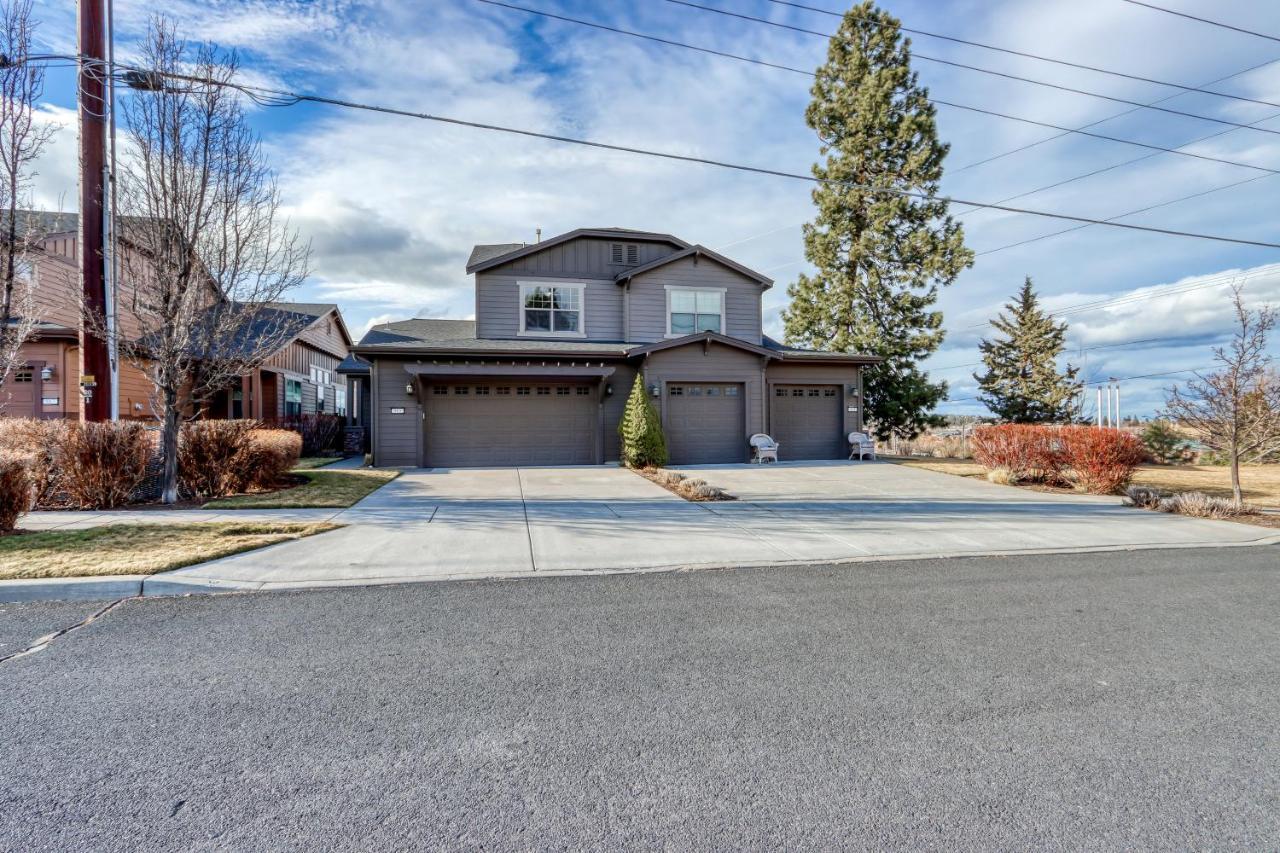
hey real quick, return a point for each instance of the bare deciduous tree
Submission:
(208, 252)
(22, 139)
(1235, 410)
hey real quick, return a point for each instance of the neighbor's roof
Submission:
(352, 365)
(695, 251)
(493, 258)
(460, 336)
(316, 311)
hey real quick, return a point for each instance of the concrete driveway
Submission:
(441, 524)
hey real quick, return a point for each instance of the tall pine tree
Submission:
(880, 257)
(1022, 383)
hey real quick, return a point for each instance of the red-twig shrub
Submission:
(212, 458)
(103, 463)
(40, 442)
(273, 452)
(1102, 461)
(1029, 453)
(321, 434)
(16, 492)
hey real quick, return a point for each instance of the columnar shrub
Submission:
(103, 464)
(1102, 461)
(16, 491)
(643, 444)
(1028, 453)
(212, 459)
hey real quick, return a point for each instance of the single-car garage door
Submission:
(705, 423)
(807, 422)
(472, 424)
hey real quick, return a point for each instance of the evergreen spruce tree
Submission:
(643, 444)
(880, 257)
(1022, 383)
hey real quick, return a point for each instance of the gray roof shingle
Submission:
(461, 335)
(486, 251)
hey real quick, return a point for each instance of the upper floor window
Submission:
(320, 376)
(551, 310)
(691, 310)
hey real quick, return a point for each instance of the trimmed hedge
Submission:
(1102, 461)
(1029, 453)
(15, 488)
(220, 458)
(102, 464)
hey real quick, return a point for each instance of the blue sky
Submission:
(393, 205)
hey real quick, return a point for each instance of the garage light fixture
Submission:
(853, 390)
(408, 389)
(608, 389)
(653, 390)
(46, 373)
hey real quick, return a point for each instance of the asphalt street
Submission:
(1085, 701)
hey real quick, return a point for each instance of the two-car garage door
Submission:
(479, 424)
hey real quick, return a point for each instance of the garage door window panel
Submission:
(551, 310)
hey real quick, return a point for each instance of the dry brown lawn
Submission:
(1261, 483)
(322, 489)
(136, 549)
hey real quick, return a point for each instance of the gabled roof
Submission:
(352, 365)
(695, 251)
(705, 338)
(520, 250)
(487, 251)
(317, 311)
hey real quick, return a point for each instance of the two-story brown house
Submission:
(562, 329)
(297, 379)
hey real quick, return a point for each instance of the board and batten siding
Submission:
(844, 375)
(585, 257)
(498, 306)
(647, 307)
(397, 437)
(614, 407)
(694, 363)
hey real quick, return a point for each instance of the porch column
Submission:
(246, 390)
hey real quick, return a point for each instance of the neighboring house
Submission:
(299, 378)
(562, 329)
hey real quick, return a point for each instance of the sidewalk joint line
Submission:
(528, 534)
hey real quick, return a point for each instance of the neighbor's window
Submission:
(551, 309)
(695, 311)
(292, 397)
(320, 400)
(340, 400)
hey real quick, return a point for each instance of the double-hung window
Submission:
(551, 309)
(692, 310)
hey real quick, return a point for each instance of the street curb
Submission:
(70, 589)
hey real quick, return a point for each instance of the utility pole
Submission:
(95, 373)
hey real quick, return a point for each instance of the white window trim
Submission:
(526, 286)
(683, 289)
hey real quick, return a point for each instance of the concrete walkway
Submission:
(439, 524)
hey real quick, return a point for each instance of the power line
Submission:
(1095, 172)
(1149, 207)
(1204, 20)
(1027, 55)
(1112, 117)
(981, 70)
(777, 66)
(276, 97)
(1066, 351)
(1104, 381)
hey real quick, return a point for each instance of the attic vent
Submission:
(627, 254)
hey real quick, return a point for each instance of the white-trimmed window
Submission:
(694, 309)
(554, 310)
